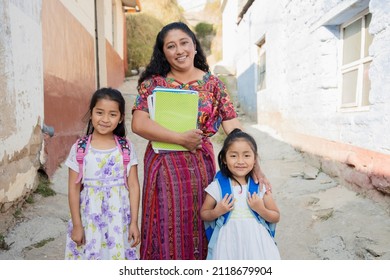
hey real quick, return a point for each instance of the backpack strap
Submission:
(270, 227)
(212, 228)
(214, 235)
(124, 149)
(226, 188)
(82, 145)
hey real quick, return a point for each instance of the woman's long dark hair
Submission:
(110, 94)
(159, 65)
(234, 135)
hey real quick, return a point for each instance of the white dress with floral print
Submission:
(104, 206)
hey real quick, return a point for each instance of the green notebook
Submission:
(175, 109)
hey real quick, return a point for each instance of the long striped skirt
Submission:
(173, 193)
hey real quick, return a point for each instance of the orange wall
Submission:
(115, 67)
(69, 79)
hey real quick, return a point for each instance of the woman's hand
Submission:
(78, 235)
(152, 131)
(259, 178)
(192, 139)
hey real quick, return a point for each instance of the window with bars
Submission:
(355, 61)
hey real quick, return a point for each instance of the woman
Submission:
(174, 182)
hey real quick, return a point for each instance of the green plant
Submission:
(17, 213)
(165, 11)
(205, 33)
(39, 244)
(42, 242)
(44, 186)
(142, 30)
(204, 29)
(3, 244)
(30, 199)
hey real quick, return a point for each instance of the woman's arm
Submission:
(134, 196)
(74, 205)
(231, 124)
(147, 128)
(258, 175)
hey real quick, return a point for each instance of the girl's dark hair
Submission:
(159, 65)
(234, 135)
(110, 94)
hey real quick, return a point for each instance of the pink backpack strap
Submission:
(82, 146)
(124, 148)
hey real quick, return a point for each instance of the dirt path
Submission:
(320, 219)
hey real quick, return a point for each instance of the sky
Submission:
(192, 5)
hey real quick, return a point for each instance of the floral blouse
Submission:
(215, 105)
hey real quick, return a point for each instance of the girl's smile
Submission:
(240, 159)
(105, 116)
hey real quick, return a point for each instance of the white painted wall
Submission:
(24, 64)
(119, 26)
(379, 120)
(302, 94)
(22, 90)
(83, 11)
(229, 32)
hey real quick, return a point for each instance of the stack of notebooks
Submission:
(175, 109)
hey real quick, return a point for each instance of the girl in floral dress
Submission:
(103, 206)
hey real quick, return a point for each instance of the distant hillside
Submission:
(165, 11)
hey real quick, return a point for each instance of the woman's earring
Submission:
(196, 52)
